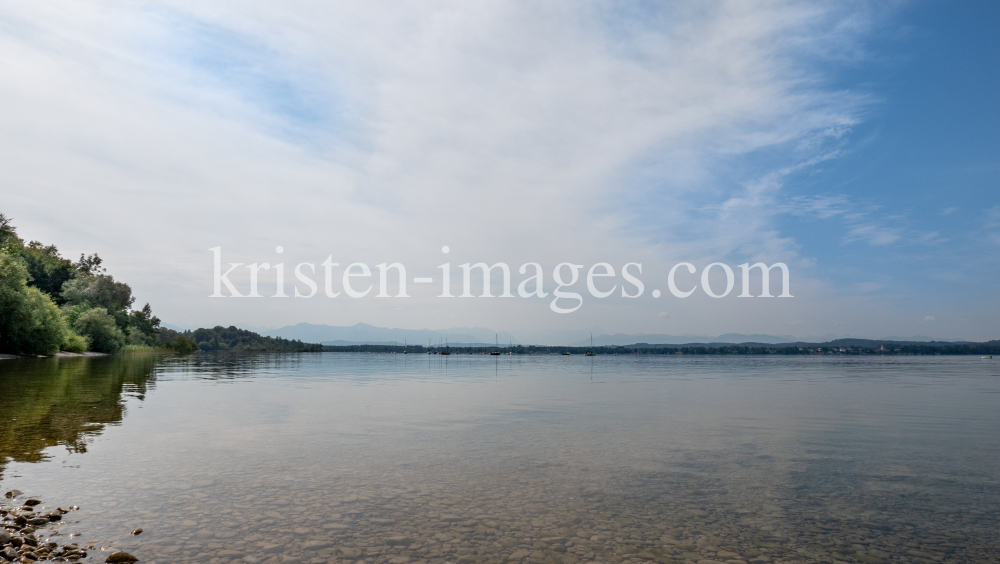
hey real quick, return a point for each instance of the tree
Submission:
(181, 344)
(7, 231)
(48, 271)
(143, 326)
(30, 323)
(35, 280)
(101, 291)
(99, 326)
(90, 265)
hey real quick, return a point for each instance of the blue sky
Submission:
(853, 141)
(924, 164)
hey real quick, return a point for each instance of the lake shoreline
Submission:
(61, 354)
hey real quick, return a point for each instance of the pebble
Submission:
(541, 517)
(18, 539)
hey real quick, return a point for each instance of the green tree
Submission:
(7, 231)
(34, 279)
(47, 269)
(90, 265)
(181, 344)
(101, 290)
(143, 326)
(99, 327)
(30, 323)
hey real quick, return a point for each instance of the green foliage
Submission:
(7, 231)
(41, 328)
(90, 266)
(233, 339)
(34, 279)
(180, 343)
(100, 327)
(47, 269)
(30, 323)
(101, 290)
(75, 343)
(143, 327)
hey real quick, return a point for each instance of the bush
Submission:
(75, 343)
(42, 329)
(30, 322)
(100, 328)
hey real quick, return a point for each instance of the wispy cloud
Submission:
(244, 68)
(511, 130)
(877, 235)
(862, 220)
(821, 207)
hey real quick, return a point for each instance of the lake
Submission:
(392, 459)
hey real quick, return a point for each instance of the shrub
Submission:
(100, 328)
(75, 343)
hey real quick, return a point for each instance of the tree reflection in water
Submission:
(47, 402)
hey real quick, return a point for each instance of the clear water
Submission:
(547, 459)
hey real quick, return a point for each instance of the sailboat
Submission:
(591, 351)
(446, 351)
(497, 338)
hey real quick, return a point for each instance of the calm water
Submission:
(372, 459)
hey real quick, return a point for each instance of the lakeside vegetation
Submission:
(49, 303)
(233, 339)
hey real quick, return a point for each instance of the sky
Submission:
(853, 142)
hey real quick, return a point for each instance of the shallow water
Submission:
(470, 459)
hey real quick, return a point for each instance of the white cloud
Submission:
(874, 234)
(379, 131)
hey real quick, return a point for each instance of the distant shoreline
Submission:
(833, 348)
(856, 347)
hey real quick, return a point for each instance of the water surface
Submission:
(372, 459)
